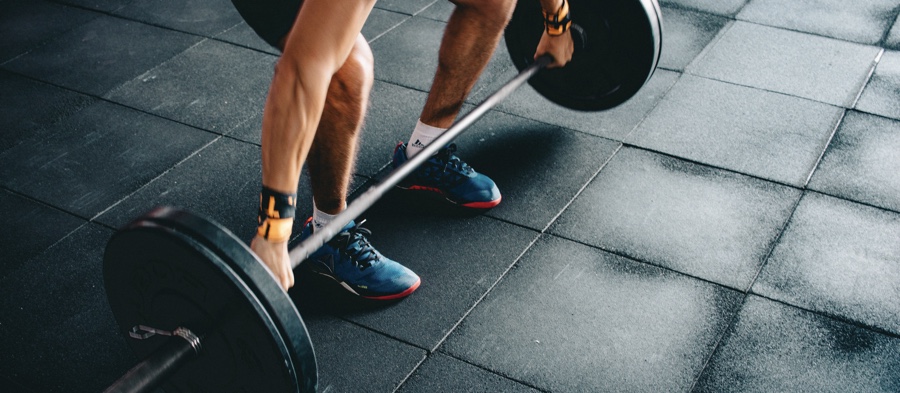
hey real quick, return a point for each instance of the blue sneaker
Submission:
(447, 175)
(350, 260)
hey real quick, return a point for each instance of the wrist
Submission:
(275, 218)
(558, 21)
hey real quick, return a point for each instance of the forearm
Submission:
(317, 46)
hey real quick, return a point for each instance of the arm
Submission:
(315, 48)
(560, 47)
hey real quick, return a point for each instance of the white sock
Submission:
(421, 137)
(320, 218)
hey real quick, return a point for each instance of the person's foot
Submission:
(447, 175)
(350, 260)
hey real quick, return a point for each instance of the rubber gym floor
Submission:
(733, 227)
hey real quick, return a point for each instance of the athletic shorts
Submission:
(270, 19)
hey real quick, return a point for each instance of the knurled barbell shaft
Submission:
(365, 200)
(150, 373)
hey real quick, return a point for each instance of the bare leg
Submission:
(315, 49)
(334, 149)
(472, 34)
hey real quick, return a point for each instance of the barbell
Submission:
(205, 314)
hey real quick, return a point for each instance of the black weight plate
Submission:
(617, 50)
(171, 268)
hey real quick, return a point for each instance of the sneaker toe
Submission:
(395, 281)
(479, 191)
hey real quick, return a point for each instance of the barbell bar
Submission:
(204, 312)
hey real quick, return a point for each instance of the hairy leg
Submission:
(315, 49)
(333, 152)
(472, 34)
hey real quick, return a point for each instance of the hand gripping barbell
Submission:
(203, 311)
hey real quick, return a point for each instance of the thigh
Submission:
(270, 19)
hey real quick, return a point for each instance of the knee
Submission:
(498, 11)
(359, 68)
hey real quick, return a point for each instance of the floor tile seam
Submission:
(120, 104)
(431, 4)
(492, 372)
(382, 34)
(810, 33)
(115, 89)
(879, 115)
(774, 243)
(55, 36)
(634, 259)
(382, 333)
(210, 36)
(831, 316)
(581, 189)
(153, 180)
(544, 122)
(725, 332)
(895, 14)
(650, 111)
(695, 62)
(411, 372)
(867, 79)
(682, 7)
(818, 162)
(781, 93)
(485, 294)
(855, 202)
(43, 203)
(85, 221)
(711, 166)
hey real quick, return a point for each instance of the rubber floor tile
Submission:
(572, 318)
(241, 34)
(443, 374)
(440, 10)
(750, 131)
(892, 41)
(213, 85)
(685, 34)
(25, 232)
(615, 123)
(458, 258)
(777, 348)
(880, 95)
(19, 120)
(861, 162)
(354, 359)
(788, 62)
(99, 5)
(97, 157)
(409, 7)
(539, 168)
(700, 221)
(221, 182)
(838, 258)
(56, 323)
(34, 22)
(380, 22)
(202, 17)
(102, 54)
(719, 7)
(408, 55)
(863, 21)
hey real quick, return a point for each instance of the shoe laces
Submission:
(354, 244)
(451, 161)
